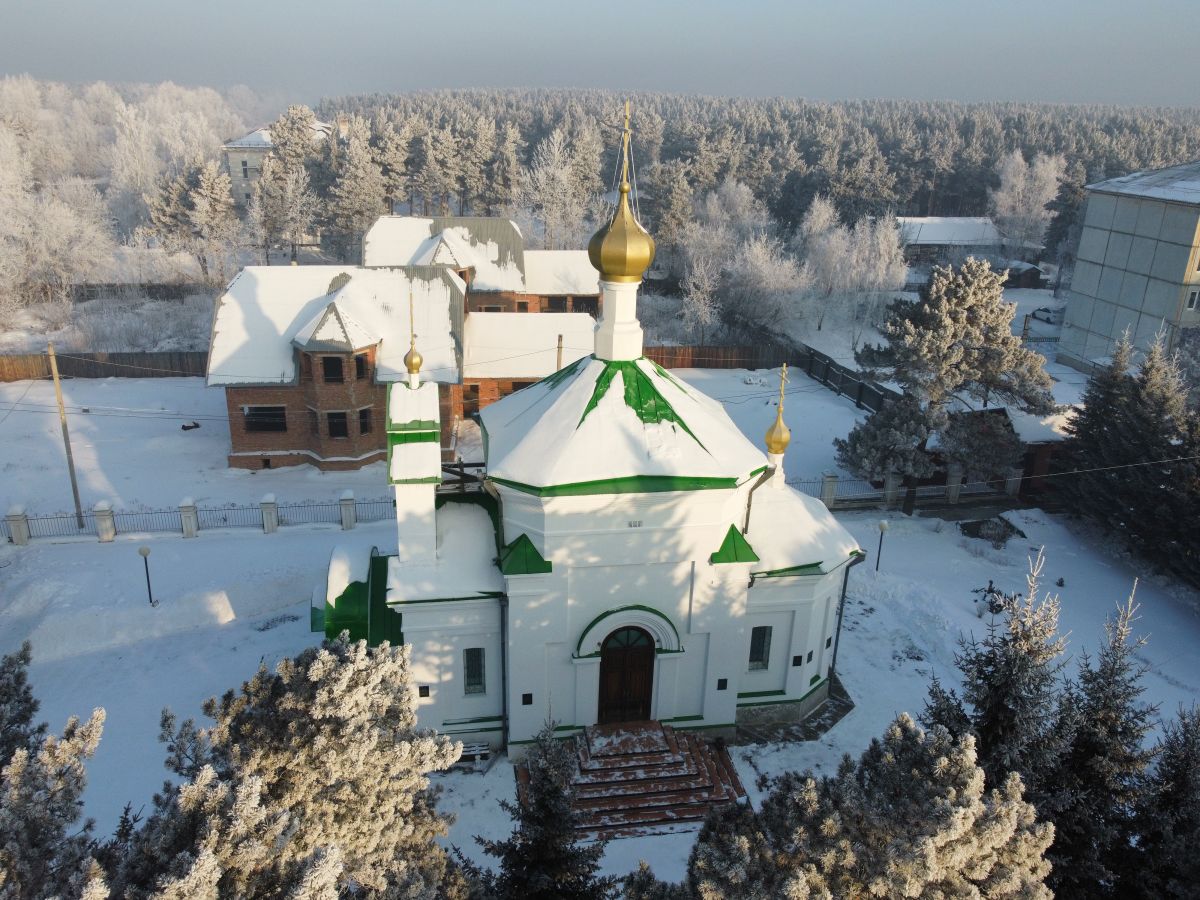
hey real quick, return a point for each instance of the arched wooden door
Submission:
(626, 676)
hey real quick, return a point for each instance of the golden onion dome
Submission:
(622, 250)
(412, 359)
(779, 435)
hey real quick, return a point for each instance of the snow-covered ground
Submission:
(129, 447)
(229, 601)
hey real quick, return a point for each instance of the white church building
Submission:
(629, 553)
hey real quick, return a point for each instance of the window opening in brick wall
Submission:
(556, 304)
(473, 681)
(265, 418)
(360, 366)
(364, 420)
(522, 306)
(333, 369)
(337, 425)
(760, 647)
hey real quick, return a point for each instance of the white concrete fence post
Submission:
(18, 524)
(954, 477)
(1012, 484)
(106, 526)
(891, 490)
(829, 482)
(270, 514)
(187, 514)
(349, 516)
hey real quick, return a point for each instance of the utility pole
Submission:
(62, 418)
(559, 365)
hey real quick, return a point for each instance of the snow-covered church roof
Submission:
(602, 426)
(266, 309)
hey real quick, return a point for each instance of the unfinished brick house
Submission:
(304, 353)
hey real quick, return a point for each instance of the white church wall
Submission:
(774, 676)
(416, 524)
(439, 633)
(538, 654)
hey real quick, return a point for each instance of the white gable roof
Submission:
(560, 272)
(524, 345)
(333, 328)
(265, 308)
(789, 529)
(260, 138)
(965, 231)
(581, 425)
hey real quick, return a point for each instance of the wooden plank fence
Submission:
(23, 366)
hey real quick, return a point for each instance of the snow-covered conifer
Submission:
(18, 706)
(504, 172)
(393, 153)
(983, 443)
(541, 859)
(1100, 772)
(356, 198)
(193, 213)
(890, 440)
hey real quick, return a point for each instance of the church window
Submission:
(333, 369)
(337, 425)
(828, 642)
(423, 691)
(473, 670)
(797, 661)
(266, 418)
(527, 699)
(722, 684)
(1192, 297)
(760, 647)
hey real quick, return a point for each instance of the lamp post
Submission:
(883, 527)
(144, 552)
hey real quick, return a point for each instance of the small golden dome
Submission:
(622, 250)
(779, 435)
(412, 359)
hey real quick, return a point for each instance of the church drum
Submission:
(626, 676)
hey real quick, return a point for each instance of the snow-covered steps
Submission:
(638, 778)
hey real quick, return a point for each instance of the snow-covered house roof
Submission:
(260, 138)
(605, 427)
(492, 247)
(266, 308)
(958, 231)
(568, 272)
(1180, 184)
(524, 345)
(333, 329)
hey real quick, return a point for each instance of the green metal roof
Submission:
(734, 549)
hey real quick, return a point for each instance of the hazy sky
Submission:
(1111, 51)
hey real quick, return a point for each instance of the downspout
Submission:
(837, 635)
(762, 479)
(504, 670)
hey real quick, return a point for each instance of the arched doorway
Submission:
(626, 676)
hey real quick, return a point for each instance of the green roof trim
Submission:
(807, 569)
(414, 425)
(522, 558)
(629, 484)
(413, 437)
(348, 612)
(641, 395)
(430, 479)
(667, 375)
(734, 549)
(554, 379)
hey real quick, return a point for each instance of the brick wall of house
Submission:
(510, 301)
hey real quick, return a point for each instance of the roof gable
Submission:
(734, 549)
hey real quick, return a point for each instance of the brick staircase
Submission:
(638, 778)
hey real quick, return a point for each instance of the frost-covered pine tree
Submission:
(321, 755)
(284, 207)
(294, 139)
(18, 706)
(542, 858)
(1164, 865)
(356, 198)
(1010, 683)
(478, 146)
(500, 194)
(890, 440)
(552, 191)
(393, 155)
(1100, 771)
(910, 818)
(193, 213)
(983, 443)
(44, 846)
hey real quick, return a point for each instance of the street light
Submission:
(883, 527)
(145, 554)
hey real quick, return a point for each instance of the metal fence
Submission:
(61, 525)
(309, 513)
(148, 520)
(229, 517)
(374, 510)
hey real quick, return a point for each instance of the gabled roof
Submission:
(524, 345)
(332, 329)
(568, 272)
(964, 231)
(1180, 184)
(265, 308)
(521, 557)
(260, 138)
(601, 427)
(734, 549)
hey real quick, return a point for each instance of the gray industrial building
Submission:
(1138, 266)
